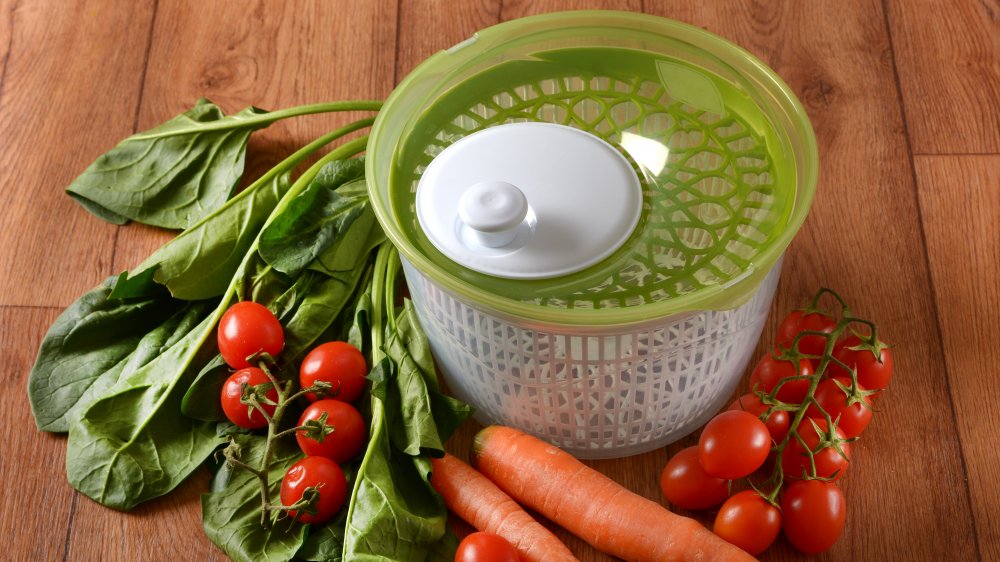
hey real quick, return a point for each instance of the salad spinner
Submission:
(591, 209)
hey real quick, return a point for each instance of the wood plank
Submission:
(948, 59)
(863, 239)
(33, 475)
(960, 202)
(70, 91)
(273, 55)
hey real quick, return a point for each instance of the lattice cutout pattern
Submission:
(709, 209)
(621, 393)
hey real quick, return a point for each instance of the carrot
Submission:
(590, 505)
(471, 496)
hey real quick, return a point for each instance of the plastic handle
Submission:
(493, 210)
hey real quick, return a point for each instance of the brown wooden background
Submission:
(905, 99)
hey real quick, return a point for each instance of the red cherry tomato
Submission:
(748, 521)
(814, 513)
(248, 328)
(733, 444)
(798, 322)
(685, 483)
(829, 463)
(851, 420)
(777, 421)
(874, 373)
(338, 363)
(485, 547)
(321, 473)
(769, 371)
(232, 391)
(349, 431)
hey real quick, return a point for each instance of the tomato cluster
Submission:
(330, 430)
(809, 399)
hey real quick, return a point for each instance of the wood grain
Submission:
(33, 483)
(960, 201)
(948, 56)
(71, 87)
(880, 81)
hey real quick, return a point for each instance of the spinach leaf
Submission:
(230, 514)
(427, 417)
(133, 443)
(201, 401)
(315, 219)
(201, 261)
(173, 174)
(96, 341)
(394, 512)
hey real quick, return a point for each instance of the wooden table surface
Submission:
(904, 96)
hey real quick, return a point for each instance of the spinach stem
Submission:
(263, 119)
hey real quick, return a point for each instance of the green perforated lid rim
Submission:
(725, 151)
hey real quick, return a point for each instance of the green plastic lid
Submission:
(724, 153)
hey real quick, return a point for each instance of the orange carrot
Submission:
(474, 498)
(590, 505)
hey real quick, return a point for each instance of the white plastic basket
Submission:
(597, 394)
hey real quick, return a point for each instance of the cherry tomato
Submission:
(777, 421)
(338, 363)
(851, 420)
(874, 373)
(232, 391)
(748, 521)
(349, 431)
(797, 322)
(829, 463)
(814, 513)
(321, 473)
(685, 483)
(248, 328)
(485, 547)
(733, 444)
(769, 371)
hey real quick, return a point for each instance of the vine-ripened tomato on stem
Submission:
(242, 414)
(812, 396)
(347, 438)
(874, 372)
(320, 473)
(748, 521)
(832, 397)
(776, 422)
(338, 363)
(485, 547)
(830, 463)
(733, 445)
(686, 484)
(770, 371)
(813, 515)
(797, 322)
(248, 328)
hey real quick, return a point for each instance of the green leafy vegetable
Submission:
(173, 174)
(94, 343)
(394, 512)
(133, 443)
(180, 171)
(315, 219)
